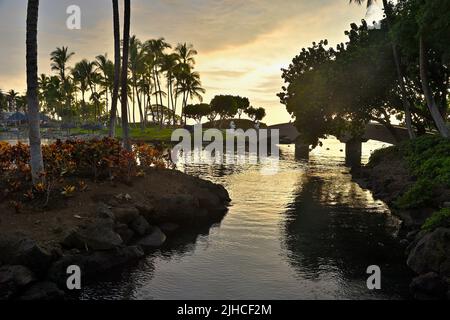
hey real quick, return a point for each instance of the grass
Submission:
(153, 133)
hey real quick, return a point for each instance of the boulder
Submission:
(429, 285)
(93, 264)
(126, 215)
(124, 232)
(17, 249)
(154, 239)
(13, 279)
(146, 210)
(169, 228)
(177, 208)
(140, 226)
(99, 235)
(104, 211)
(431, 253)
(43, 291)
(216, 189)
(188, 209)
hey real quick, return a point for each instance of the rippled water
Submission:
(306, 232)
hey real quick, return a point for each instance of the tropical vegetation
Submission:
(395, 73)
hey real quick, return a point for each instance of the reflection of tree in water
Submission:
(331, 225)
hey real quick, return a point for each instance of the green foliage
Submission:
(226, 106)
(419, 195)
(71, 160)
(429, 157)
(336, 91)
(381, 155)
(256, 114)
(439, 219)
(428, 160)
(197, 111)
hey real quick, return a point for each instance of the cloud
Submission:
(242, 44)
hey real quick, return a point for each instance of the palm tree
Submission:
(137, 67)
(3, 105)
(169, 64)
(60, 58)
(124, 95)
(105, 68)
(36, 162)
(12, 97)
(115, 95)
(84, 74)
(400, 74)
(156, 48)
(191, 88)
(186, 54)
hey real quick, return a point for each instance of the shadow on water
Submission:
(304, 232)
(332, 228)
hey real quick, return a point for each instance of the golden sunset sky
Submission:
(242, 44)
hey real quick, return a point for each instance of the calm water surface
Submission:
(305, 232)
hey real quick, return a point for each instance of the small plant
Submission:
(68, 191)
(439, 219)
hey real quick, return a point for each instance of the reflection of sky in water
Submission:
(305, 232)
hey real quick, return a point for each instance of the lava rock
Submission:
(17, 249)
(13, 279)
(169, 228)
(104, 211)
(431, 253)
(154, 239)
(43, 291)
(98, 236)
(429, 285)
(124, 232)
(140, 226)
(95, 263)
(126, 215)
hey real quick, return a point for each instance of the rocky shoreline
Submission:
(115, 225)
(427, 253)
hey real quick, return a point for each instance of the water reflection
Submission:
(304, 232)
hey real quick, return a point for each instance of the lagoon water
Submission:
(305, 232)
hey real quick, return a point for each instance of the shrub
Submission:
(420, 194)
(95, 159)
(429, 157)
(439, 219)
(428, 161)
(381, 154)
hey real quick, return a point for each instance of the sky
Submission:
(242, 44)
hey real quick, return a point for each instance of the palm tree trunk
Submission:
(134, 104)
(431, 102)
(139, 106)
(126, 45)
(400, 76)
(36, 162)
(173, 105)
(115, 98)
(160, 99)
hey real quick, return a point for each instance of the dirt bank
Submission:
(106, 226)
